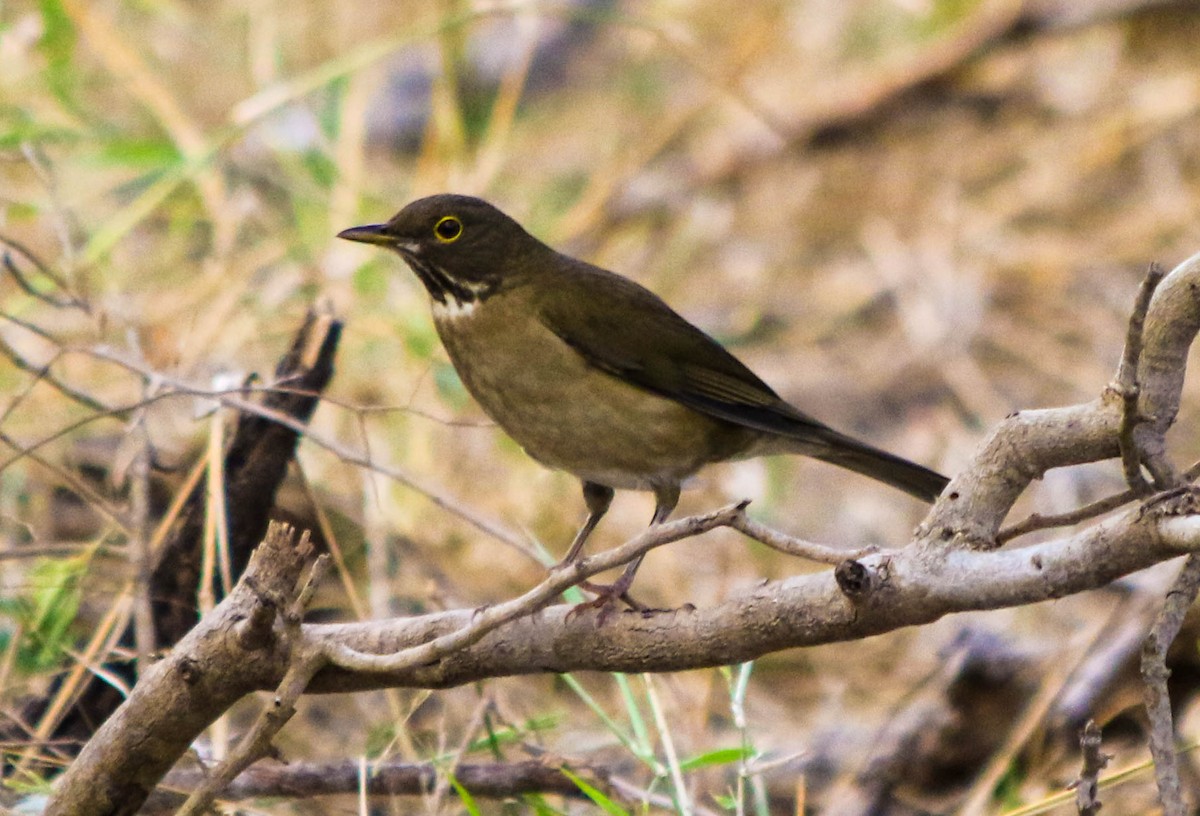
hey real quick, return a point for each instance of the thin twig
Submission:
(1155, 674)
(31, 327)
(25, 450)
(683, 802)
(61, 219)
(257, 742)
(559, 579)
(653, 799)
(230, 398)
(140, 555)
(790, 545)
(1087, 786)
(51, 551)
(68, 302)
(95, 501)
(42, 373)
(1127, 387)
(1033, 717)
(450, 769)
(1037, 521)
(102, 642)
(227, 398)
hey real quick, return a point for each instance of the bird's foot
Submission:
(606, 599)
(612, 591)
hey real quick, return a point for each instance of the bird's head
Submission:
(459, 246)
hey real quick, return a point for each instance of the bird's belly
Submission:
(569, 415)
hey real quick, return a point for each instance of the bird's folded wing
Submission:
(627, 331)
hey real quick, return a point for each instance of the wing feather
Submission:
(625, 330)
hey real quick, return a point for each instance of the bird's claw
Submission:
(606, 599)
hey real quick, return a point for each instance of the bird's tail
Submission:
(915, 480)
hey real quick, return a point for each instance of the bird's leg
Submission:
(665, 500)
(597, 497)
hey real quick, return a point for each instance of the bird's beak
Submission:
(369, 234)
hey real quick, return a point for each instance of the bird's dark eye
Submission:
(448, 229)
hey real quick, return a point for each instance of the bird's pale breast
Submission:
(567, 414)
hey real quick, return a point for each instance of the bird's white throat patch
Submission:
(454, 309)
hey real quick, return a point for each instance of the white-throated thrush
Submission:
(594, 374)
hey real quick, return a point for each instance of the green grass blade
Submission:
(606, 804)
(719, 756)
(465, 795)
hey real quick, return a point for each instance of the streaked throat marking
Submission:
(451, 298)
(454, 309)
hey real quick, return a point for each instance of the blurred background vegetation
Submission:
(911, 217)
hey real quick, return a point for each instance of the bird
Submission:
(594, 374)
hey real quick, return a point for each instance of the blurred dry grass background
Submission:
(912, 217)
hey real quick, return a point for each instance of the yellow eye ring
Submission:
(448, 229)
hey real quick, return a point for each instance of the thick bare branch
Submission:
(921, 584)
(211, 668)
(498, 780)
(177, 698)
(256, 743)
(1029, 443)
